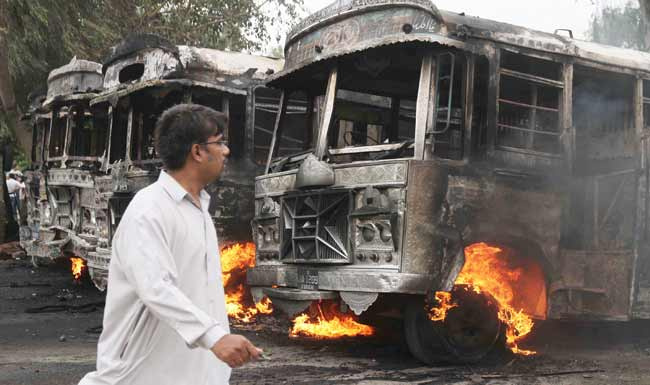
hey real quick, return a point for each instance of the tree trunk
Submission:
(19, 130)
(3, 206)
(644, 5)
(16, 126)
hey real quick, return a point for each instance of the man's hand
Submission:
(235, 350)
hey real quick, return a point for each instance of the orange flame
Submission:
(235, 260)
(315, 323)
(77, 266)
(444, 305)
(485, 272)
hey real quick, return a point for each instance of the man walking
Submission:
(165, 318)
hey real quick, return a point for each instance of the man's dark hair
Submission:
(183, 125)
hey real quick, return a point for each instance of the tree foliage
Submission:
(620, 26)
(45, 34)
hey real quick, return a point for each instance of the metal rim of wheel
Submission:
(468, 334)
(472, 328)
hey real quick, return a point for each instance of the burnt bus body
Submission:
(68, 146)
(428, 131)
(143, 77)
(39, 120)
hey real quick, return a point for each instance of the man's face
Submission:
(215, 151)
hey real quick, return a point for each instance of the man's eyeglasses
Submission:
(221, 142)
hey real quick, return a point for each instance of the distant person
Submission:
(165, 317)
(14, 169)
(14, 187)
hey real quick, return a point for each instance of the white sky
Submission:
(545, 15)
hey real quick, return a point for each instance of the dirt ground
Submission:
(57, 345)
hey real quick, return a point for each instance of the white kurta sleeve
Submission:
(149, 266)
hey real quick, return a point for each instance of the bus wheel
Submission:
(470, 331)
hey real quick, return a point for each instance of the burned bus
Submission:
(68, 144)
(145, 75)
(430, 136)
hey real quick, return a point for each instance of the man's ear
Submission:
(195, 152)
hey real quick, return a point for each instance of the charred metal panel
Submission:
(380, 172)
(70, 177)
(367, 207)
(343, 7)
(423, 252)
(286, 276)
(592, 285)
(374, 282)
(148, 64)
(377, 174)
(233, 70)
(274, 183)
(507, 210)
(98, 262)
(315, 227)
(130, 181)
(343, 279)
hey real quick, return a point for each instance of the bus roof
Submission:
(348, 26)
(143, 61)
(549, 42)
(77, 80)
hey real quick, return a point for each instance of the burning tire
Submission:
(469, 332)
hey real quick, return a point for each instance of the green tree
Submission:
(620, 26)
(37, 36)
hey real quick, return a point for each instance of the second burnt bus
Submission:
(144, 76)
(68, 145)
(427, 131)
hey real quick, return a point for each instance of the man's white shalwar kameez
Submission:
(165, 303)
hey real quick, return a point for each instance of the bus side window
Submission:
(88, 132)
(119, 121)
(603, 117)
(606, 142)
(530, 91)
(146, 111)
(294, 134)
(448, 121)
(266, 110)
(57, 132)
(295, 131)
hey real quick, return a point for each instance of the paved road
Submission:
(58, 348)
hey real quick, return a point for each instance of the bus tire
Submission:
(469, 333)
